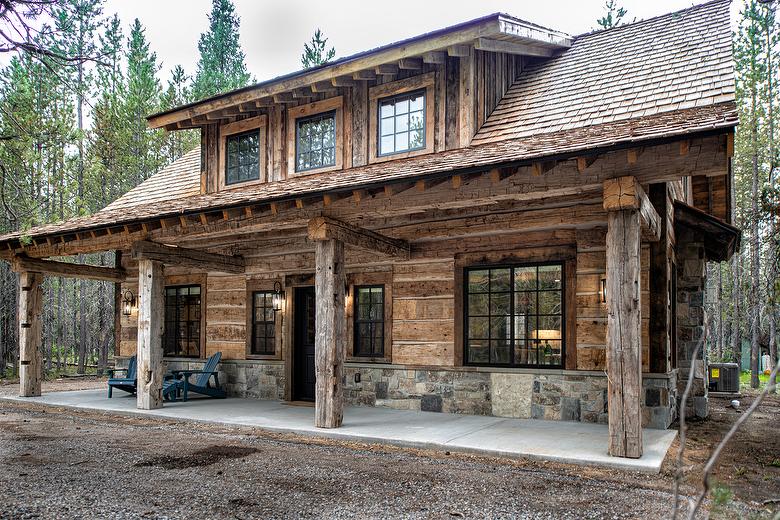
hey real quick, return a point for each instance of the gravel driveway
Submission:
(59, 464)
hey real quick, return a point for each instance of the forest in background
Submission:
(73, 138)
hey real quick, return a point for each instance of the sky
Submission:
(273, 31)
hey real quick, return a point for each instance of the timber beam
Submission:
(147, 250)
(325, 228)
(625, 193)
(22, 264)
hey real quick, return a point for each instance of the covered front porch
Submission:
(567, 442)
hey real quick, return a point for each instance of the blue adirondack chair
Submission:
(181, 382)
(127, 383)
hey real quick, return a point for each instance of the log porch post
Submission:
(629, 214)
(331, 332)
(30, 355)
(150, 330)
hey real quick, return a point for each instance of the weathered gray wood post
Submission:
(30, 354)
(150, 330)
(330, 342)
(628, 208)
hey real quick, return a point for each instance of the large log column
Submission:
(150, 330)
(629, 214)
(30, 355)
(331, 327)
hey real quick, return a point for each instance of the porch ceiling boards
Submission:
(143, 209)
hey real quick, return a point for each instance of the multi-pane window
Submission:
(514, 315)
(315, 142)
(402, 123)
(181, 337)
(242, 157)
(263, 324)
(369, 321)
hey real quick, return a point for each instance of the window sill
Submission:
(401, 155)
(372, 360)
(263, 357)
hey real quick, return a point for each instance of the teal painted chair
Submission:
(182, 383)
(128, 383)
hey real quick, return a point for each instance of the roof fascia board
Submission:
(518, 28)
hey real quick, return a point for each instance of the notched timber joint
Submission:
(325, 228)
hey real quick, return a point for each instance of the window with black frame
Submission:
(263, 324)
(369, 311)
(402, 123)
(315, 142)
(181, 336)
(242, 157)
(514, 315)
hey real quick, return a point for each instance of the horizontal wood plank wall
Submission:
(225, 308)
(423, 311)
(591, 313)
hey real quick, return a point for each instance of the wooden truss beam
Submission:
(486, 44)
(625, 193)
(22, 264)
(325, 228)
(147, 250)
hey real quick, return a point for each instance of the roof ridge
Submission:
(616, 28)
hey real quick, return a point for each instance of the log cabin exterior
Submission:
(495, 218)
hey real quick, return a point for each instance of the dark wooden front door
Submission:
(303, 363)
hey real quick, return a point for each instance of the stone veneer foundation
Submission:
(555, 395)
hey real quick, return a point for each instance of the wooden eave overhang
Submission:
(501, 157)
(496, 31)
(721, 240)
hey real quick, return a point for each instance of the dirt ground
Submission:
(71, 464)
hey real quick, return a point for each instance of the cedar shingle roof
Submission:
(664, 77)
(672, 62)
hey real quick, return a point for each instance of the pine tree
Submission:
(221, 66)
(314, 53)
(178, 93)
(614, 16)
(140, 146)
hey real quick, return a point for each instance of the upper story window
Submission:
(315, 142)
(514, 315)
(402, 118)
(181, 335)
(402, 123)
(315, 137)
(242, 152)
(242, 157)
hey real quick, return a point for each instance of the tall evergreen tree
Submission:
(221, 66)
(178, 93)
(315, 53)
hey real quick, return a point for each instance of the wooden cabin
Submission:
(494, 218)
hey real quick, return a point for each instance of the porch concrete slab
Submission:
(560, 441)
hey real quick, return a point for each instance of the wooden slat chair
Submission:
(180, 382)
(127, 383)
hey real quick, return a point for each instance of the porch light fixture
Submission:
(128, 302)
(278, 297)
(603, 291)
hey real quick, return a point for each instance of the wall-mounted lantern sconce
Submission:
(128, 302)
(278, 297)
(603, 291)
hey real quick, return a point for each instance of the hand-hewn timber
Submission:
(90, 272)
(487, 44)
(148, 250)
(625, 193)
(151, 284)
(660, 274)
(330, 341)
(624, 322)
(30, 354)
(324, 228)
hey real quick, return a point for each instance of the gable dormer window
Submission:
(243, 157)
(315, 142)
(315, 136)
(242, 152)
(402, 118)
(402, 123)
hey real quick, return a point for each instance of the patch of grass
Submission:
(721, 494)
(744, 379)
(775, 463)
